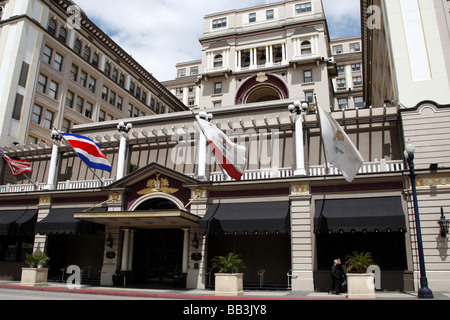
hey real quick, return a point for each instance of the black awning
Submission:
(246, 218)
(61, 221)
(359, 215)
(17, 221)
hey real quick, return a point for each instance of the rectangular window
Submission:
(303, 7)
(359, 102)
(182, 72)
(88, 110)
(42, 83)
(194, 71)
(357, 81)
(219, 23)
(105, 91)
(309, 96)
(24, 74)
(356, 67)
(340, 83)
(73, 72)
(337, 49)
(57, 63)
(307, 76)
(340, 69)
(343, 103)
(217, 87)
(69, 99)
(119, 102)
(37, 113)
(83, 78)
(101, 116)
(48, 120)
(53, 90)
(112, 98)
(269, 14)
(79, 105)
(47, 55)
(355, 47)
(91, 86)
(252, 17)
(65, 126)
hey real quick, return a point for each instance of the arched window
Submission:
(94, 61)
(62, 35)
(306, 47)
(86, 53)
(218, 61)
(107, 69)
(77, 46)
(51, 27)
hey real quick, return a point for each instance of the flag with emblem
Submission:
(231, 156)
(340, 149)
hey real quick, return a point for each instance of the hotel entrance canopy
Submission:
(153, 219)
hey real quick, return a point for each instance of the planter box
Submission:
(32, 277)
(229, 284)
(360, 286)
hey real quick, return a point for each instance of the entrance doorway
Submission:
(157, 256)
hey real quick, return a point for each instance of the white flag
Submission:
(340, 149)
(231, 156)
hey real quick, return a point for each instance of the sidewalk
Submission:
(204, 294)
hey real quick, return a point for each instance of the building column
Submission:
(185, 261)
(125, 248)
(131, 250)
(53, 166)
(301, 239)
(122, 156)
(299, 150)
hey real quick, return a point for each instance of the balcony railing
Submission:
(366, 168)
(64, 185)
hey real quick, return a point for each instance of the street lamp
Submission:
(424, 291)
(124, 128)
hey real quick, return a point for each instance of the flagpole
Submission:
(225, 174)
(327, 170)
(67, 142)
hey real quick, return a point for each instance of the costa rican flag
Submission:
(88, 151)
(231, 156)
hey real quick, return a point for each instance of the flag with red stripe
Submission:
(231, 156)
(17, 167)
(88, 151)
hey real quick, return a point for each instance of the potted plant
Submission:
(36, 274)
(228, 280)
(360, 284)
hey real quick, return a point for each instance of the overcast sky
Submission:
(161, 33)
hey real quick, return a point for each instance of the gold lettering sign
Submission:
(157, 185)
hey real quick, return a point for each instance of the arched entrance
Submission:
(158, 250)
(262, 87)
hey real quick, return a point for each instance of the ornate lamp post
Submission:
(123, 130)
(424, 291)
(297, 108)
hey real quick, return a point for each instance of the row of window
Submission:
(354, 47)
(91, 57)
(299, 9)
(355, 67)
(343, 102)
(341, 82)
(193, 71)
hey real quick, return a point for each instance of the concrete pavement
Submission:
(204, 294)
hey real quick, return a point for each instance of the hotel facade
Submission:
(166, 208)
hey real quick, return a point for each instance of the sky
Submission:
(161, 33)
